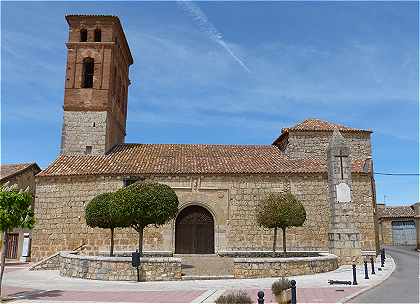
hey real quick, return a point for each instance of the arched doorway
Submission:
(194, 231)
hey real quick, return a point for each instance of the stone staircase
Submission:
(205, 266)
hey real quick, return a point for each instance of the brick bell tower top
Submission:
(96, 85)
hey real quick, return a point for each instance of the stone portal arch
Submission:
(194, 231)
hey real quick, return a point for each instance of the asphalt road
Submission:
(403, 285)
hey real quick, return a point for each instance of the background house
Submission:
(23, 175)
(396, 225)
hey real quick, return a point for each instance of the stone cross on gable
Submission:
(341, 156)
(343, 233)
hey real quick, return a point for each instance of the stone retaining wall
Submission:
(119, 268)
(147, 254)
(269, 254)
(276, 267)
(50, 263)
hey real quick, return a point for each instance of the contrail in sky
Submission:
(205, 25)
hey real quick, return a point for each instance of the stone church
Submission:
(326, 165)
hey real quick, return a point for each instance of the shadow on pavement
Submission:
(35, 294)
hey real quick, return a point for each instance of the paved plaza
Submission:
(49, 286)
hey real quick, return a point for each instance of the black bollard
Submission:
(135, 262)
(354, 274)
(383, 253)
(382, 258)
(372, 263)
(293, 291)
(260, 297)
(366, 270)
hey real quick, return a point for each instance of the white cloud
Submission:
(205, 25)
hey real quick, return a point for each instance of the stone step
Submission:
(206, 265)
(206, 277)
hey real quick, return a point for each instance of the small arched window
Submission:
(88, 68)
(83, 35)
(98, 35)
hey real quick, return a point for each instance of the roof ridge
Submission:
(16, 164)
(194, 144)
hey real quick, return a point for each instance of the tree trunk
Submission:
(111, 252)
(140, 231)
(284, 240)
(275, 241)
(3, 258)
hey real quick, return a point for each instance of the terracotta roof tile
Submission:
(391, 212)
(8, 170)
(132, 159)
(313, 124)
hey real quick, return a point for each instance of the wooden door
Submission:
(194, 231)
(12, 245)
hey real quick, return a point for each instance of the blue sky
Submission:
(354, 63)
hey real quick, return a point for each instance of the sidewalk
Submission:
(48, 286)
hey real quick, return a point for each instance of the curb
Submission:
(352, 296)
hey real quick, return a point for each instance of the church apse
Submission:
(310, 139)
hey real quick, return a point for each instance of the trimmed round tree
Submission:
(280, 210)
(148, 203)
(103, 211)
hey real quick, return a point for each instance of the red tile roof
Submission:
(395, 212)
(132, 159)
(313, 124)
(10, 170)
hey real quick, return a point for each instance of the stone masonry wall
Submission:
(59, 214)
(231, 199)
(363, 210)
(280, 267)
(81, 129)
(50, 263)
(119, 268)
(314, 144)
(386, 229)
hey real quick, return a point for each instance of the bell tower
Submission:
(96, 85)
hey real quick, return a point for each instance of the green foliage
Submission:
(15, 212)
(104, 211)
(280, 285)
(281, 210)
(148, 203)
(136, 206)
(239, 297)
(15, 209)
